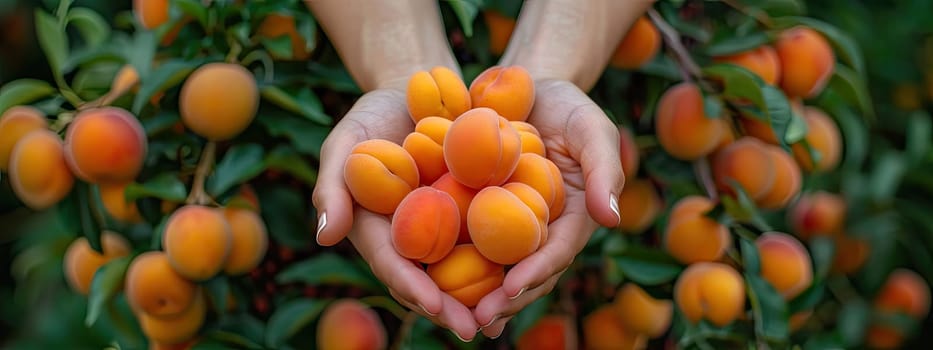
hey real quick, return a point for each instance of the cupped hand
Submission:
(584, 144)
(380, 114)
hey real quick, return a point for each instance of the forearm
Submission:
(570, 39)
(383, 42)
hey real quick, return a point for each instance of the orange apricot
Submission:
(379, 174)
(219, 100)
(249, 240)
(185, 345)
(603, 330)
(15, 123)
(531, 139)
(682, 127)
(642, 313)
(851, 254)
(807, 61)
(39, 174)
(481, 148)
(439, 92)
(463, 196)
(711, 291)
(884, 337)
(906, 292)
(350, 324)
(691, 236)
(640, 44)
(127, 78)
(81, 261)
(154, 288)
(112, 196)
(785, 263)
(747, 162)
(105, 144)
(532, 198)
(510, 91)
(818, 213)
(628, 152)
(727, 138)
(466, 275)
(197, 241)
(426, 147)
(426, 225)
(550, 332)
(763, 61)
(543, 175)
(640, 204)
(787, 180)
(151, 13)
(175, 329)
(503, 228)
(500, 31)
(824, 137)
(759, 129)
(278, 24)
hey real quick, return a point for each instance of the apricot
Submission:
(379, 174)
(154, 288)
(642, 313)
(884, 337)
(112, 196)
(759, 129)
(851, 254)
(197, 241)
(245, 198)
(126, 79)
(640, 44)
(39, 174)
(439, 92)
(691, 236)
(682, 127)
(727, 138)
(350, 324)
(466, 275)
(500, 31)
(906, 292)
(175, 329)
(481, 148)
(603, 330)
(219, 100)
(426, 225)
(15, 123)
(276, 25)
(807, 61)
(798, 320)
(628, 152)
(463, 196)
(763, 61)
(818, 213)
(81, 261)
(502, 226)
(185, 345)
(510, 91)
(426, 147)
(748, 162)
(249, 240)
(787, 180)
(640, 204)
(824, 137)
(106, 144)
(151, 13)
(785, 263)
(711, 291)
(532, 198)
(543, 175)
(531, 139)
(550, 332)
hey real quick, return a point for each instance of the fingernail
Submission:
(517, 295)
(614, 206)
(321, 223)
(426, 310)
(498, 335)
(458, 337)
(496, 317)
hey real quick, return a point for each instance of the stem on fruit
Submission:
(702, 170)
(266, 60)
(758, 15)
(198, 195)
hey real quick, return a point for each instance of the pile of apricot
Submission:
(470, 190)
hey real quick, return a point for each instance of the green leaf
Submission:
(169, 74)
(739, 83)
(52, 40)
(823, 251)
(284, 211)
(796, 129)
(165, 186)
(466, 11)
(528, 316)
(305, 136)
(648, 272)
(886, 178)
(280, 46)
(846, 47)
(304, 103)
(779, 112)
(289, 318)
(106, 284)
(422, 337)
(809, 299)
(780, 7)
(853, 321)
(751, 260)
(221, 340)
(848, 84)
(194, 9)
(824, 341)
(89, 225)
(333, 77)
(737, 44)
(307, 29)
(93, 27)
(662, 66)
(919, 136)
(23, 91)
(163, 120)
(286, 159)
(712, 106)
(218, 288)
(329, 269)
(768, 308)
(240, 164)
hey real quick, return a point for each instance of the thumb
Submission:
(598, 154)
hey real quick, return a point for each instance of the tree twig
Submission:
(758, 15)
(701, 169)
(198, 195)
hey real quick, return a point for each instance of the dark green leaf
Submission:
(886, 178)
(529, 315)
(648, 272)
(422, 337)
(218, 288)
(221, 340)
(466, 11)
(331, 269)
(89, 226)
(280, 46)
(739, 84)
(52, 39)
(165, 186)
(919, 136)
(824, 341)
(768, 308)
(289, 318)
(284, 211)
(307, 28)
(823, 251)
(779, 112)
(194, 9)
(780, 7)
(306, 137)
(848, 84)
(751, 260)
(303, 103)
(163, 120)
(712, 106)
(288, 160)
(106, 284)
(92, 26)
(662, 66)
(809, 299)
(240, 164)
(169, 74)
(847, 48)
(23, 91)
(336, 78)
(140, 53)
(737, 44)
(853, 321)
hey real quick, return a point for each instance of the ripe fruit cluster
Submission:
(470, 190)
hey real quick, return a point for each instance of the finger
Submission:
(497, 305)
(598, 154)
(372, 239)
(455, 317)
(331, 197)
(496, 328)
